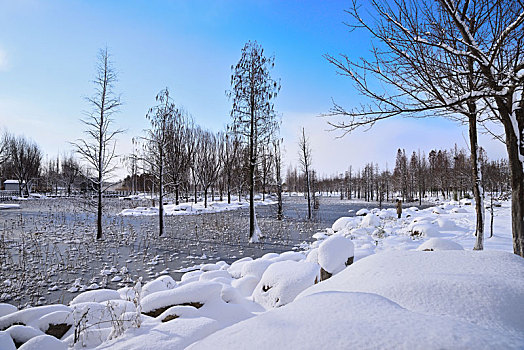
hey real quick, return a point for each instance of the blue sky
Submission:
(48, 52)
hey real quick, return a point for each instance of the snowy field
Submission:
(415, 283)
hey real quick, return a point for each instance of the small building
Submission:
(13, 185)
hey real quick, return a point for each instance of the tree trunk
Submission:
(478, 192)
(161, 199)
(205, 197)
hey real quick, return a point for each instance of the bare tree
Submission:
(26, 158)
(305, 162)
(4, 147)
(207, 161)
(98, 149)
(252, 92)
(450, 58)
(278, 176)
(178, 150)
(70, 171)
(158, 136)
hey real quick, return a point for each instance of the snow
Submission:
(482, 287)
(157, 285)
(370, 220)
(283, 281)
(6, 342)
(6, 309)
(427, 290)
(200, 292)
(95, 296)
(194, 208)
(334, 252)
(43, 342)
(362, 212)
(439, 244)
(9, 206)
(343, 320)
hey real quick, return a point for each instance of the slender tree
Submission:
(305, 162)
(157, 139)
(98, 149)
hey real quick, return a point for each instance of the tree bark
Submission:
(478, 192)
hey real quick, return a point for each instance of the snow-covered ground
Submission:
(415, 283)
(194, 208)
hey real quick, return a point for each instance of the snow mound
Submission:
(362, 212)
(192, 293)
(283, 281)
(28, 315)
(439, 244)
(423, 229)
(9, 206)
(342, 223)
(333, 253)
(370, 220)
(6, 342)
(343, 320)
(459, 210)
(483, 287)
(445, 224)
(157, 285)
(43, 342)
(96, 296)
(6, 309)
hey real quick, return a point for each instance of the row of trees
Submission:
(443, 173)
(182, 157)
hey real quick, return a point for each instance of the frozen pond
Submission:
(48, 252)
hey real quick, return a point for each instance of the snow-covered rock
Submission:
(157, 285)
(95, 296)
(334, 252)
(196, 293)
(283, 281)
(43, 342)
(362, 212)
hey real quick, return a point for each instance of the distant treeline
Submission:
(444, 173)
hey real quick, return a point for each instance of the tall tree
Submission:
(98, 149)
(252, 92)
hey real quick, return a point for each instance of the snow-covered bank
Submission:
(415, 283)
(193, 208)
